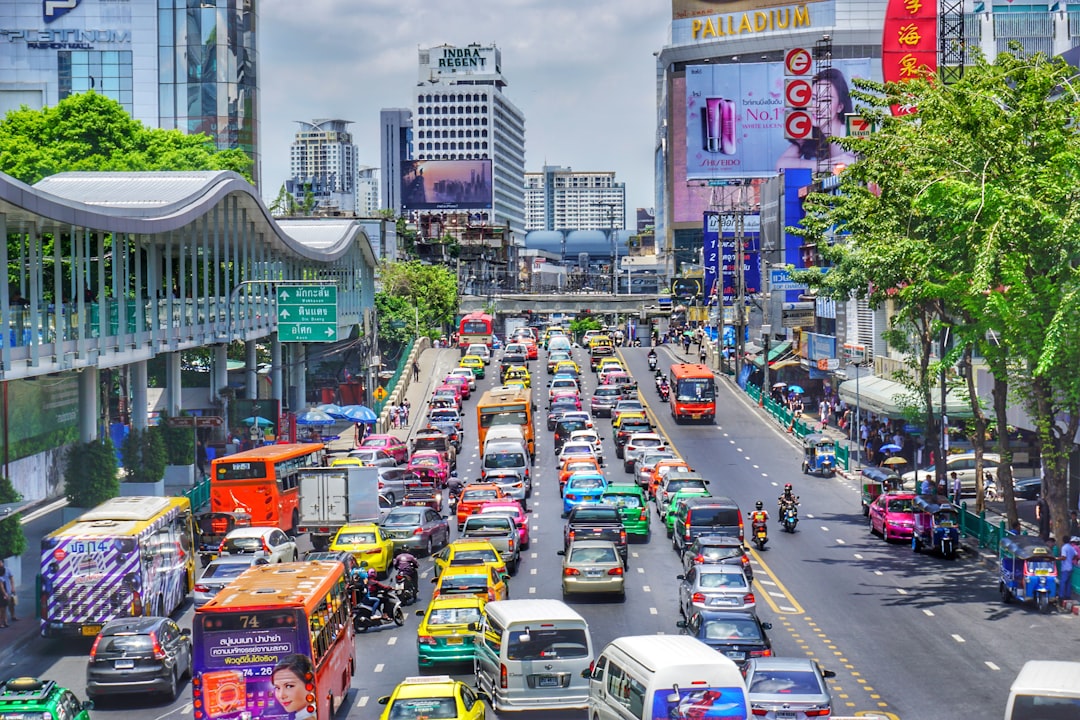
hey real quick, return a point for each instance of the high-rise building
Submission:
(395, 147)
(462, 115)
(172, 64)
(322, 164)
(367, 191)
(557, 198)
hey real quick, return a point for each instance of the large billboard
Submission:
(446, 184)
(735, 117)
(694, 21)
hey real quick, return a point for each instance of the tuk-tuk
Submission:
(212, 527)
(936, 527)
(819, 455)
(875, 481)
(423, 494)
(1028, 571)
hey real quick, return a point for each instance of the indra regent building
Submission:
(172, 64)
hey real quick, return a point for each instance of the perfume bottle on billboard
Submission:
(719, 124)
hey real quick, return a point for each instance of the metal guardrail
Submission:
(977, 526)
(199, 495)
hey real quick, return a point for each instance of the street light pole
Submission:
(610, 206)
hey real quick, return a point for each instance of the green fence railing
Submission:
(199, 495)
(797, 426)
(985, 532)
(392, 384)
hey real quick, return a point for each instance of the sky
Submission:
(582, 72)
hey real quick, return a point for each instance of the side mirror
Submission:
(483, 696)
(680, 624)
(828, 673)
(473, 627)
(680, 577)
(561, 552)
(434, 580)
(185, 632)
(419, 613)
(767, 625)
(88, 705)
(587, 674)
(384, 699)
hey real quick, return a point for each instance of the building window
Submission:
(107, 72)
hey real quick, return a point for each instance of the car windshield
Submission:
(578, 448)
(464, 585)
(424, 708)
(504, 460)
(722, 580)
(243, 544)
(677, 484)
(787, 682)
(587, 483)
(624, 501)
(474, 557)
(574, 467)
(476, 495)
(647, 442)
(356, 538)
(731, 629)
(696, 390)
(426, 461)
(127, 642)
(607, 392)
(375, 442)
(900, 506)
(720, 552)
(403, 517)
(498, 523)
(586, 555)
(548, 644)
(224, 570)
(454, 616)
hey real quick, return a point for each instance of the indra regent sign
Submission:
(307, 313)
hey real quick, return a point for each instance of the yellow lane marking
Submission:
(795, 608)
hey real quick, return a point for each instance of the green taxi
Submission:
(673, 502)
(27, 697)
(474, 363)
(443, 635)
(633, 508)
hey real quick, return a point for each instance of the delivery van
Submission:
(1045, 689)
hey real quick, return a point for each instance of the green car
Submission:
(633, 508)
(28, 697)
(669, 516)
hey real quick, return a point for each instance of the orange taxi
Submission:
(663, 468)
(473, 497)
(530, 348)
(575, 464)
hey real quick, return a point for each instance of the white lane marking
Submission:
(641, 570)
(809, 516)
(785, 608)
(634, 554)
(992, 666)
(858, 556)
(725, 434)
(840, 541)
(392, 640)
(746, 457)
(731, 441)
(423, 575)
(379, 667)
(532, 591)
(757, 467)
(765, 582)
(825, 528)
(878, 572)
(646, 588)
(738, 449)
(362, 701)
(902, 591)
(776, 594)
(532, 571)
(652, 611)
(928, 613)
(535, 528)
(958, 639)
(533, 555)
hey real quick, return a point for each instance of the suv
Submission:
(480, 350)
(139, 655)
(433, 439)
(630, 426)
(603, 400)
(705, 516)
(27, 697)
(514, 354)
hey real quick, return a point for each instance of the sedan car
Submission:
(274, 544)
(220, 573)
(446, 415)
(464, 384)
(722, 549)
(578, 448)
(582, 488)
(646, 463)
(592, 566)
(593, 438)
(443, 635)
(466, 374)
(603, 400)
(637, 445)
(475, 495)
(783, 688)
(627, 406)
(138, 655)
(388, 443)
(367, 543)
(511, 482)
(469, 551)
(374, 457)
(416, 529)
(437, 696)
(515, 512)
(559, 409)
(892, 516)
(714, 587)
(736, 634)
(576, 464)
(481, 580)
(475, 364)
(430, 461)
(1027, 488)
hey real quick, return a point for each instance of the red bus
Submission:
(263, 483)
(476, 327)
(693, 392)
(276, 643)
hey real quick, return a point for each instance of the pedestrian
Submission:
(415, 371)
(703, 355)
(957, 487)
(1068, 563)
(394, 417)
(408, 410)
(1042, 516)
(200, 458)
(1074, 524)
(8, 580)
(5, 597)
(926, 486)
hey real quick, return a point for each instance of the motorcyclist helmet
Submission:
(758, 505)
(372, 574)
(787, 488)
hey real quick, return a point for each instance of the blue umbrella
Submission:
(795, 389)
(261, 421)
(314, 417)
(334, 411)
(891, 447)
(359, 414)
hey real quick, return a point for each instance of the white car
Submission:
(570, 448)
(465, 373)
(582, 415)
(563, 384)
(637, 444)
(591, 437)
(275, 544)
(963, 464)
(480, 350)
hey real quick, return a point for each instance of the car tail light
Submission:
(570, 537)
(740, 526)
(622, 537)
(200, 588)
(571, 497)
(644, 515)
(749, 599)
(759, 711)
(221, 547)
(159, 652)
(502, 676)
(615, 571)
(571, 571)
(491, 595)
(817, 712)
(697, 598)
(93, 650)
(418, 531)
(761, 653)
(373, 551)
(266, 548)
(699, 558)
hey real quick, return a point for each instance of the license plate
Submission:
(124, 664)
(90, 630)
(454, 641)
(722, 601)
(782, 715)
(548, 681)
(734, 655)
(695, 416)
(593, 573)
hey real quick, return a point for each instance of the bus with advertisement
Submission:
(128, 557)
(693, 392)
(476, 328)
(262, 483)
(507, 406)
(273, 626)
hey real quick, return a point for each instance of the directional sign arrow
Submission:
(330, 332)
(285, 314)
(285, 295)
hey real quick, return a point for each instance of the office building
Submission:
(367, 191)
(170, 64)
(395, 147)
(323, 166)
(557, 198)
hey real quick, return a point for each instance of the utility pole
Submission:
(738, 315)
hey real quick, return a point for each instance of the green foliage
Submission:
(12, 538)
(583, 323)
(144, 455)
(91, 132)
(179, 443)
(90, 473)
(415, 294)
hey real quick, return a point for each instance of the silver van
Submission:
(532, 655)
(505, 455)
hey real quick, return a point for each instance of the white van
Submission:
(657, 676)
(1045, 689)
(504, 433)
(533, 655)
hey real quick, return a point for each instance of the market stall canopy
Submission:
(776, 351)
(889, 398)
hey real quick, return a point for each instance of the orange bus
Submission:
(693, 392)
(506, 406)
(263, 483)
(277, 642)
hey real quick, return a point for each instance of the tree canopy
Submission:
(415, 295)
(91, 132)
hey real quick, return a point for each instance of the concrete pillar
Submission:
(298, 378)
(277, 387)
(89, 386)
(173, 384)
(251, 378)
(139, 406)
(221, 368)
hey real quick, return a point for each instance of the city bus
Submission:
(507, 406)
(476, 327)
(129, 556)
(693, 392)
(271, 621)
(263, 483)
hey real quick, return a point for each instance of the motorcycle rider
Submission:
(652, 359)
(759, 516)
(408, 565)
(788, 498)
(373, 593)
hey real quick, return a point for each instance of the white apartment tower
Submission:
(557, 198)
(323, 161)
(462, 114)
(367, 191)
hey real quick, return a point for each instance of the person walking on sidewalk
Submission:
(9, 579)
(7, 591)
(415, 371)
(957, 487)
(1068, 564)
(1042, 515)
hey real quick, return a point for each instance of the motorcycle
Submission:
(659, 380)
(406, 585)
(652, 362)
(789, 517)
(664, 391)
(390, 608)
(760, 534)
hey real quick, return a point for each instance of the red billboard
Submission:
(909, 43)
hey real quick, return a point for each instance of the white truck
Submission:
(512, 324)
(336, 496)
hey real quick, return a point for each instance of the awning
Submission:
(775, 352)
(889, 398)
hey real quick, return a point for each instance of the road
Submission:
(909, 636)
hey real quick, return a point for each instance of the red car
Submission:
(432, 461)
(567, 396)
(530, 348)
(392, 445)
(461, 383)
(892, 515)
(514, 510)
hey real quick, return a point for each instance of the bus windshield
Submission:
(475, 327)
(491, 418)
(696, 390)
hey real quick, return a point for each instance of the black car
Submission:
(137, 656)
(563, 428)
(1027, 488)
(736, 634)
(709, 549)
(557, 409)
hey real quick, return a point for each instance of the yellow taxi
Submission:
(474, 363)
(517, 372)
(469, 552)
(435, 696)
(339, 462)
(622, 416)
(568, 367)
(612, 363)
(479, 580)
(443, 635)
(366, 543)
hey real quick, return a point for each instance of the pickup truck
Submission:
(432, 439)
(596, 522)
(501, 532)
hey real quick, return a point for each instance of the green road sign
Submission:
(307, 313)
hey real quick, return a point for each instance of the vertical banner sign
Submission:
(909, 43)
(711, 255)
(798, 92)
(751, 257)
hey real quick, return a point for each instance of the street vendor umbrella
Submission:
(314, 417)
(796, 389)
(891, 447)
(359, 414)
(334, 411)
(777, 386)
(258, 420)
(894, 461)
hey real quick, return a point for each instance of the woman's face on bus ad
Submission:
(289, 690)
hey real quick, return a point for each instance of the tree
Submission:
(179, 442)
(417, 296)
(94, 133)
(144, 455)
(581, 323)
(90, 474)
(12, 538)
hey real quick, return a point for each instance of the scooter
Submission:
(760, 534)
(789, 518)
(664, 391)
(652, 362)
(405, 584)
(391, 612)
